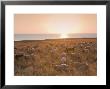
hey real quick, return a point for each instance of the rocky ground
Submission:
(60, 57)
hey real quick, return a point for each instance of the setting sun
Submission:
(64, 36)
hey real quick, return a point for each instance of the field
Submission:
(57, 57)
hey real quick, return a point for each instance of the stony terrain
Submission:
(57, 57)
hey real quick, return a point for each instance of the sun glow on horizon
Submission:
(64, 36)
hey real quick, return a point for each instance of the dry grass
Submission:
(63, 57)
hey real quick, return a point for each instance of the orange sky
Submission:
(54, 23)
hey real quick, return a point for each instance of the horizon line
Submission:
(58, 33)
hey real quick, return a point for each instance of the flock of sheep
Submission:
(55, 58)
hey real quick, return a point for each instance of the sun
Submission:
(64, 36)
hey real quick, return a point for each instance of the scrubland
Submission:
(56, 57)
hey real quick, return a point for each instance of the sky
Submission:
(55, 23)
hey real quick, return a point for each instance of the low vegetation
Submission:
(57, 57)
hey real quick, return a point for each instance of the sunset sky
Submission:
(55, 23)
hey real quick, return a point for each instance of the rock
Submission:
(62, 67)
(91, 60)
(18, 55)
(63, 59)
(81, 67)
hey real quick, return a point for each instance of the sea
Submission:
(20, 37)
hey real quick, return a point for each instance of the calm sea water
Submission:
(19, 37)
